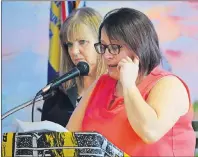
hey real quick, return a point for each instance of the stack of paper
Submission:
(41, 126)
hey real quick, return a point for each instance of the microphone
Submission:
(81, 69)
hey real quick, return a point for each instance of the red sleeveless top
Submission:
(114, 125)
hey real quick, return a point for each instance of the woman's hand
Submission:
(128, 71)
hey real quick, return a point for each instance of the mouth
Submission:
(113, 66)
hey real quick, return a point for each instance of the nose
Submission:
(107, 55)
(74, 50)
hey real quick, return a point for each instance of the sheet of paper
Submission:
(41, 126)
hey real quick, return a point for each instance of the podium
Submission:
(58, 144)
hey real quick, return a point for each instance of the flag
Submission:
(63, 11)
(84, 4)
(73, 5)
(57, 10)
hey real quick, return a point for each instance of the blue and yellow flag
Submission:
(57, 9)
(73, 5)
(54, 45)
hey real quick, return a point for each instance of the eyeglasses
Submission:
(113, 48)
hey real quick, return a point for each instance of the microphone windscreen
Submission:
(83, 67)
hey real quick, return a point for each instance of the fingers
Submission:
(136, 61)
(123, 60)
(128, 60)
(120, 64)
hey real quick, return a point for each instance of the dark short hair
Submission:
(137, 31)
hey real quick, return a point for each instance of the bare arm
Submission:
(75, 121)
(153, 118)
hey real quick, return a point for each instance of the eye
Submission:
(114, 47)
(82, 42)
(69, 44)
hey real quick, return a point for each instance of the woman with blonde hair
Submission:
(78, 34)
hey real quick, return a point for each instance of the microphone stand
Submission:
(20, 107)
(39, 98)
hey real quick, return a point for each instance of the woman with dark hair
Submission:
(141, 108)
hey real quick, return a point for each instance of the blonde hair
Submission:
(71, 26)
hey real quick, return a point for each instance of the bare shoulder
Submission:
(170, 83)
(169, 92)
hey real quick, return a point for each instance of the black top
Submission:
(59, 108)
